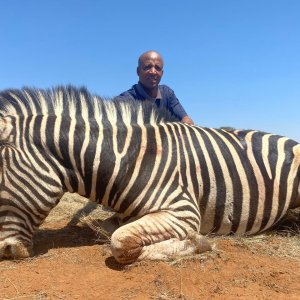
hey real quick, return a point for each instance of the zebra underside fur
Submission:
(169, 182)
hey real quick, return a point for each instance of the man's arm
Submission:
(176, 108)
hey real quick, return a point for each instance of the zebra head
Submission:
(15, 235)
(21, 214)
(15, 240)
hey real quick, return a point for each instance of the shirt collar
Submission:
(145, 95)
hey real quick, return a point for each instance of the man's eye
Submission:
(157, 68)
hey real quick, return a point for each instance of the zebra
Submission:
(170, 183)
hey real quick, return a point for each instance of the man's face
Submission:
(150, 70)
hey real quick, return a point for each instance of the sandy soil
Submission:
(72, 263)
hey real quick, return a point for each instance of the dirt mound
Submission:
(72, 263)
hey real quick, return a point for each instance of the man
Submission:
(150, 71)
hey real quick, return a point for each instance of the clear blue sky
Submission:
(231, 63)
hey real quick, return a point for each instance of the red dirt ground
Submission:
(71, 264)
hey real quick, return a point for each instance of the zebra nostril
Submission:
(7, 252)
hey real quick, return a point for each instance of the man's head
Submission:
(150, 70)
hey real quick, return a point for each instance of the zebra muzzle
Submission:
(15, 251)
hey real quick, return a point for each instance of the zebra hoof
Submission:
(125, 249)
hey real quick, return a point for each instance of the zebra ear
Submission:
(5, 128)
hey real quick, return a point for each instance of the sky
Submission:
(231, 63)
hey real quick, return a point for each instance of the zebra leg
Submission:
(156, 236)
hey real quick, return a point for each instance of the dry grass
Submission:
(102, 234)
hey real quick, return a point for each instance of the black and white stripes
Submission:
(168, 181)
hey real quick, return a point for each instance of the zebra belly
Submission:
(225, 220)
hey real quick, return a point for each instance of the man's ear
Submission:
(138, 71)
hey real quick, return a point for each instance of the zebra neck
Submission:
(97, 162)
(119, 151)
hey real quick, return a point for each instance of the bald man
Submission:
(150, 71)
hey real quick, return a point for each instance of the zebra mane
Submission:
(71, 101)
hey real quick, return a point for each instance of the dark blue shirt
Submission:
(165, 98)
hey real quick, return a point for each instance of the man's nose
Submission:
(152, 70)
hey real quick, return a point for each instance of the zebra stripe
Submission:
(169, 182)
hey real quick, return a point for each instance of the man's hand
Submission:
(187, 120)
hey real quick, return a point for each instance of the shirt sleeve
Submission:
(174, 105)
(124, 96)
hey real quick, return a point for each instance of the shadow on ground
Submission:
(66, 237)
